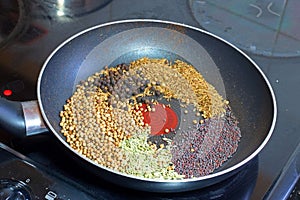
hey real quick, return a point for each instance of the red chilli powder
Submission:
(162, 119)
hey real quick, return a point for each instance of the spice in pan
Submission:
(146, 160)
(182, 81)
(108, 120)
(200, 151)
(160, 117)
(84, 133)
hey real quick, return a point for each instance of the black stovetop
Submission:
(266, 30)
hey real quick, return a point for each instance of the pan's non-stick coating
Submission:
(235, 77)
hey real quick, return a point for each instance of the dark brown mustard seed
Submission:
(200, 151)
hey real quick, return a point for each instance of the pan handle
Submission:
(21, 119)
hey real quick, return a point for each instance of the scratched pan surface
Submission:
(235, 76)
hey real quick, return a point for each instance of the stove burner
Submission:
(19, 18)
(268, 28)
(10, 17)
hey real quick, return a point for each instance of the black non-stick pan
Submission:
(236, 77)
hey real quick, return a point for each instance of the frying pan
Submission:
(236, 77)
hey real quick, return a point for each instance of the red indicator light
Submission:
(7, 92)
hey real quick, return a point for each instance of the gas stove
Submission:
(267, 31)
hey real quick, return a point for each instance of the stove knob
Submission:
(13, 190)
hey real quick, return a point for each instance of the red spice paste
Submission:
(162, 120)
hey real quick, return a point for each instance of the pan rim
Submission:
(209, 176)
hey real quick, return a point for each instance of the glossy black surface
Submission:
(265, 28)
(44, 27)
(12, 110)
(11, 189)
(287, 184)
(25, 179)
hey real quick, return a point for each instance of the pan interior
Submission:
(228, 70)
(153, 42)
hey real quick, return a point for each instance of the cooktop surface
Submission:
(265, 30)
